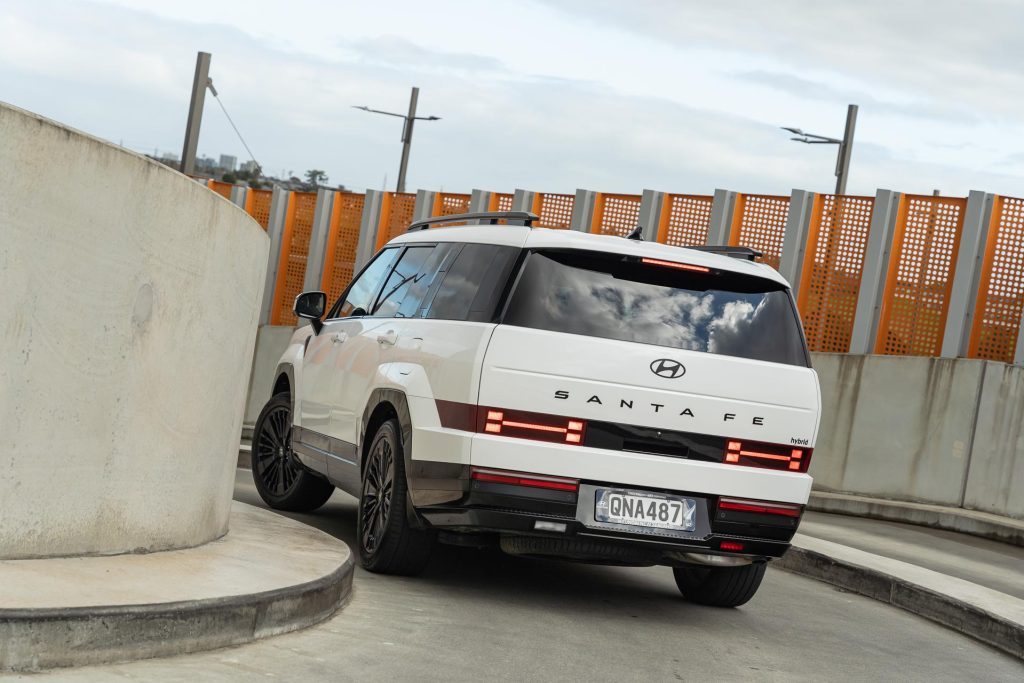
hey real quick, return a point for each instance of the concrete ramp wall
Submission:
(129, 300)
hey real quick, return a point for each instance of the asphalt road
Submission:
(479, 615)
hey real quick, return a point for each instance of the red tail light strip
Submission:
(760, 507)
(673, 264)
(537, 481)
(773, 456)
(520, 424)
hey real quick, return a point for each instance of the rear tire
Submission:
(720, 586)
(387, 542)
(281, 480)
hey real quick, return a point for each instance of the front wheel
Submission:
(387, 543)
(720, 586)
(282, 482)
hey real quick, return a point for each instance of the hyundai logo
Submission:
(668, 368)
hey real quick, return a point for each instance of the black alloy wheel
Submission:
(378, 489)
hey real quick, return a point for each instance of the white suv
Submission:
(559, 394)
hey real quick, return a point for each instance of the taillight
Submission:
(731, 546)
(522, 424)
(537, 481)
(759, 507)
(772, 456)
(674, 264)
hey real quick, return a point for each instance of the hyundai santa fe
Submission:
(557, 394)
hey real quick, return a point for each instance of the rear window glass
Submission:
(474, 283)
(615, 297)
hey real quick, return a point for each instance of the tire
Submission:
(387, 543)
(281, 480)
(720, 586)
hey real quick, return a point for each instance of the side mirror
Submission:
(311, 306)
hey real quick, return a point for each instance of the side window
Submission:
(397, 288)
(473, 284)
(360, 295)
(420, 288)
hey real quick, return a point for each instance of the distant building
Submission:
(228, 162)
(249, 166)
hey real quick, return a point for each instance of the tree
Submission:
(316, 177)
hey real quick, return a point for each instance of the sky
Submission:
(548, 95)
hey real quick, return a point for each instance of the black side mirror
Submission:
(311, 306)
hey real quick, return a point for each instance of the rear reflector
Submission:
(759, 507)
(673, 264)
(732, 546)
(528, 425)
(772, 456)
(537, 481)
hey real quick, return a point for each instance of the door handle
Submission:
(339, 338)
(387, 338)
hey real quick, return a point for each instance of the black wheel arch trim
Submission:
(287, 370)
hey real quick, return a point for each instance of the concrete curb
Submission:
(972, 522)
(986, 615)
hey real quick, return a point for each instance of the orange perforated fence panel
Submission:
(1000, 301)
(760, 223)
(291, 268)
(916, 300)
(396, 212)
(221, 188)
(554, 210)
(685, 219)
(501, 201)
(450, 204)
(615, 214)
(342, 241)
(837, 241)
(257, 205)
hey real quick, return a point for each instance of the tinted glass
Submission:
(419, 289)
(609, 296)
(360, 295)
(474, 283)
(399, 283)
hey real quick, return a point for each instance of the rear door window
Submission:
(399, 284)
(473, 284)
(614, 297)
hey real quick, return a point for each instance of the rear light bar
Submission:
(537, 481)
(759, 507)
(522, 424)
(674, 264)
(772, 456)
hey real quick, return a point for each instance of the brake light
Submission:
(772, 456)
(522, 424)
(673, 264)
(536, 481)
(759, 507)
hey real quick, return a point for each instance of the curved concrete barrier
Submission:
(128, 313)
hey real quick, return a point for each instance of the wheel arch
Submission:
(383, 405)
(284, 380)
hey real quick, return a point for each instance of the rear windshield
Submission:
(615, 297)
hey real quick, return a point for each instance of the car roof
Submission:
(548, 238)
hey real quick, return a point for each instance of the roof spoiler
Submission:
(486, 217)
(745, 253)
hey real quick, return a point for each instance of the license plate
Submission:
(642, 509)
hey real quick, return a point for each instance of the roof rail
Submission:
(488, 217)
(745, 253)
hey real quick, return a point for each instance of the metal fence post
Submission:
(275, 229)
(479, 201)
(369, 226)
(1018, 354)
(963, 297)
(426, 204)
(523, 200)
(318, 240)
(238, 195)
(583, 211)
(652, 203)
(876, 265)
(722, 209)
(794, 242)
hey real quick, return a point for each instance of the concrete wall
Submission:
(128, 317)
(934, 430)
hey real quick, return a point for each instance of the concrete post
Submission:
(275, 230)
(523, 200)
(876, 266)
(969, 261)
(1018, 354)
(794, 242)
(318, 240)
(479, 200)
(583, 210)
(238, 195)
(722, 209)
(652, 203)
(195, 113)
(368, 228)
(424, 208)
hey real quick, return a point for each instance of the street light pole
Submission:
(845, 146)
(195, 113)
(407, 124)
